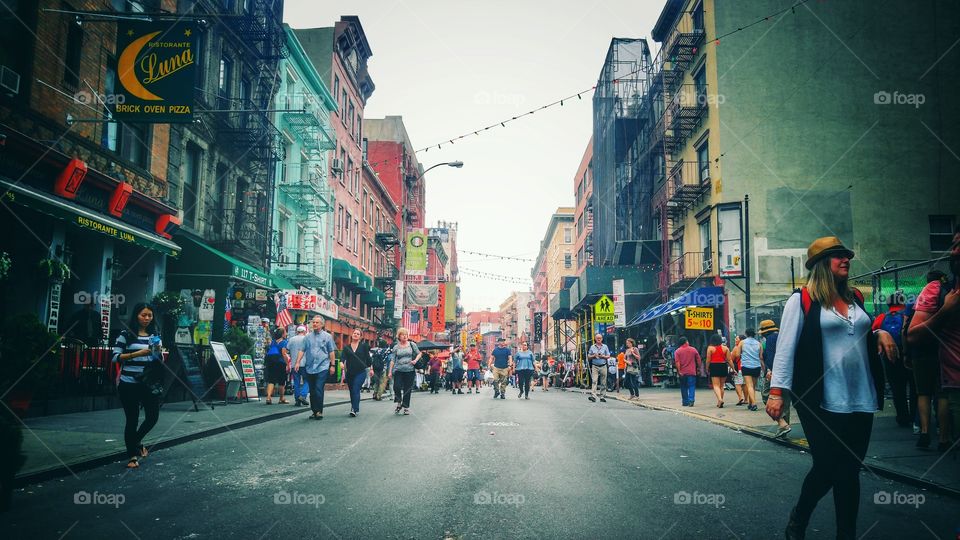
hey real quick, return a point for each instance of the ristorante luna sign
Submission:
(156, 72)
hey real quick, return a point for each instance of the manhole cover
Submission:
(501, 424)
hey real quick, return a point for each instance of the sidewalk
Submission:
(891, 453)
(61, 444)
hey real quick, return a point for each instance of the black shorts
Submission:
(457, 375)
(926, 373)
(750, 372)
(275, 370)
(718, 369)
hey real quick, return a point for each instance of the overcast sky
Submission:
(451, 67)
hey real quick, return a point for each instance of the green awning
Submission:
(88, 219)
(374, 297)
(240, 270)
(343, 272)
(280, 282)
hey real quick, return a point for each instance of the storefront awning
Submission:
(88, 219)
(350, 276)
(375, 298)
(240, 270)
(704, 296)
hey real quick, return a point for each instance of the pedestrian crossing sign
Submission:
(603, 310)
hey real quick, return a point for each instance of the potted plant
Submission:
(170, 305)
(27, 351)
(5, 264)
(237, 342)
(54, 270)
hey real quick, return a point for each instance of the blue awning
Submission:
(704, 296)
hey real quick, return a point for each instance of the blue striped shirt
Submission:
(133, 368)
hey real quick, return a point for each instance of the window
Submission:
(108, 137)
(703, 162)
(339, 224)
(343, 107)
(134, 145)
(698, 18)
(343, 173)
(282, 222)
(366, 213)
(941, 232)
(350, 116)
(191, 185)
(567, 260)
(226, 72)
(71, 65)
(356, 235)
(705, 244)
(359, 132)
(567, 235)
(349, 173)
(700, 86)
(336, 85)
(346, 230)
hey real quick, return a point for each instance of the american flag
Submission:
(411, 321)
(284, 319)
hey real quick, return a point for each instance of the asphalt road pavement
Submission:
(465, 466)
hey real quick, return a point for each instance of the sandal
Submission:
(143, 451)
(269, 402)
(134, 463)
(284, 401)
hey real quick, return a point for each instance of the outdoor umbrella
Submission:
(427, 345)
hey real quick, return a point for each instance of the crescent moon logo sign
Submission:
(126, 72)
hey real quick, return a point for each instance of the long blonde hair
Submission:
(824, 287)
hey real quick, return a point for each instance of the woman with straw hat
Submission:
(828, 359)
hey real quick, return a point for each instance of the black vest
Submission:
(808, 362)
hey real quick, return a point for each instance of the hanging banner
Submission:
(398, 300)
(155, 72)
(306, 300)
(451, 299)
(420, 295)
(436, 319)
(619, 309)
(440, 311)
(416, 249)
(538, 326)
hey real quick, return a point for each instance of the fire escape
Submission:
(679, 110)
(244, 129)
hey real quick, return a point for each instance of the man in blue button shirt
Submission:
(320, 353)
(598, 355)
(501, 360)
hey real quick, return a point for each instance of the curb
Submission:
(26, 479)
(884, 472)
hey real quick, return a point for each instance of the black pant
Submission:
(632, 383)
(433, 381)
(838, 443)
(133, 396)
(904, 391)
(523, 381)
(402, 386)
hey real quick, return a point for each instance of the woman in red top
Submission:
(719, 357)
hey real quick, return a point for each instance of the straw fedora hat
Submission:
(825, 247)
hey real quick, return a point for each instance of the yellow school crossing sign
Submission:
(603, 310)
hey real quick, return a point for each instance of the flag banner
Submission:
(418, 294)
(451, 301)
(398, 299)
(283, 319)
(155, 72)
(416, 249)
(619, 305)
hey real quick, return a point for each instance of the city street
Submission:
(467, 466)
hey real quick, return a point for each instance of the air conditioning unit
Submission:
(336, 166)
(9, 80)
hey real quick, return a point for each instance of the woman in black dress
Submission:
(355, 361)
(277, 364)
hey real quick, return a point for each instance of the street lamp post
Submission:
(455, 164)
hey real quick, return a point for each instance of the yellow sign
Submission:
(603, 311)
(700, 318)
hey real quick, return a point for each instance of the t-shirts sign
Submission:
(603, 311)
(249, 375)
(698, 318)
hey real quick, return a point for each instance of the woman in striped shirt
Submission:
(138, 350)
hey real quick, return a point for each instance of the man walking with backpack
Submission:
(899, 377)
(936, 324)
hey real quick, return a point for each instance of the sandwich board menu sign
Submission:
(249, 376)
